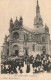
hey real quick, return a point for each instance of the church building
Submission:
(21, 41)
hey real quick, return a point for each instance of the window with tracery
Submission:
(33, 47)
(43, 39)
(25, 37)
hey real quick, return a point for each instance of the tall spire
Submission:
(37, 9)
(37, 2)
(38, 22)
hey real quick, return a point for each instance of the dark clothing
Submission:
(28, 69)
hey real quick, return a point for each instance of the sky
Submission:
(25, 8)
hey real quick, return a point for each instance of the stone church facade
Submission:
(21, 41)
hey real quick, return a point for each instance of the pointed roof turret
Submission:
(46, 29)
(11, 20)
(21, 21)
(21, 18)
(16, 22)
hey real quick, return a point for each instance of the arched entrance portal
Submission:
(16, 50)
(26, 52)
(44, 50)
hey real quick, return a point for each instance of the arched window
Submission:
(16, 35)
(15, 47)
(33, 47)
(25, 37)
(7, 52)
(43, 39)
(43, 48)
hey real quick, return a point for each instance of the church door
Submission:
(44, 52)
(16, 52)
(26, 52)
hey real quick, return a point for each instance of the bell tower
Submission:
(38, 22)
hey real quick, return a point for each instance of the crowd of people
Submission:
(27, 64)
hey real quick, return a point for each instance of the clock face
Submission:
(16, 35)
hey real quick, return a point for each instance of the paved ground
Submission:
(42, 76)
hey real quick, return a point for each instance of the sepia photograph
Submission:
(25, 39)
